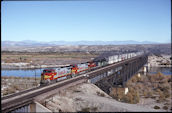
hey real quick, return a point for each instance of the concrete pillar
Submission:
(148, 66)
(126, 90)
(37, 107)
(144, 70)
(32, 107)
(89, 81)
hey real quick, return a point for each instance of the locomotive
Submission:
(61, 73)
(57, 74)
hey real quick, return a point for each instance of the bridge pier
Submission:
(126, 90)
(37, 107)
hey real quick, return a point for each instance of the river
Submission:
(164, 70)
(22, 73)
(37, 72)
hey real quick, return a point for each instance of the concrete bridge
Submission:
(115, 74)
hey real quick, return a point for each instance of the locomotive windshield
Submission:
(48, 71)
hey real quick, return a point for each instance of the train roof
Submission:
(106, 54)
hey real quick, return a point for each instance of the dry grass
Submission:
(150, 86)
(43, 57)
(131, 97)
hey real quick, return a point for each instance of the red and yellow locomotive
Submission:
(61, 73)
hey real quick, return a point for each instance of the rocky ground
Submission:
(89, 98)
(159, 61)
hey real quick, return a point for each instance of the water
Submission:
(37, 72)
(164, 70)
(22, 73)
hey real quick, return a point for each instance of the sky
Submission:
(98, 20)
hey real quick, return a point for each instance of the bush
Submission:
(87, 109)
(16, 87)
(165, 107)
(94, 108)
(100, 94)
(156, 107)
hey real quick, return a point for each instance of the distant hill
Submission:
(53, 43)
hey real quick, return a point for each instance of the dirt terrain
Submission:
(159, 61)
(89, 98)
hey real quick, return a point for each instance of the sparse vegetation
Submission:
(165, 107)
(76, 91)
(156, 107)
(89, 109)
(100, 94)
(46, 58)
(131, 97)
(156, 86)
(12, 84)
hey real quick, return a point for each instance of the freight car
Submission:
(57, 74)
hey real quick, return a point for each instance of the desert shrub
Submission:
(128, 98)
(156, 107)
(132, 97)
(161, 97)
(165, 107)
(94, 109)
(28, 78)
(134, 79)
(166, 104)
(87, 109)
(100, 94)
(16, 87)
(117, 93)
(159, 77)
(76, 91)
(5, 93)
(150, 94)
(78, 99)
(10, 90)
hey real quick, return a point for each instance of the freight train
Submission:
(58, 74)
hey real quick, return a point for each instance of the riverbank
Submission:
(22, 65)
(159, 61)
(32, 60)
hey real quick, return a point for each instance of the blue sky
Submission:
(111, 20)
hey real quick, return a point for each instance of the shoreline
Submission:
(17, 66)
(12, 66)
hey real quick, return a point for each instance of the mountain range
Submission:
(54, 43)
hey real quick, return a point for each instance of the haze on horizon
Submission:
(112, 20)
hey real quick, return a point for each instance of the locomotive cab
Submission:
(47, 75)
